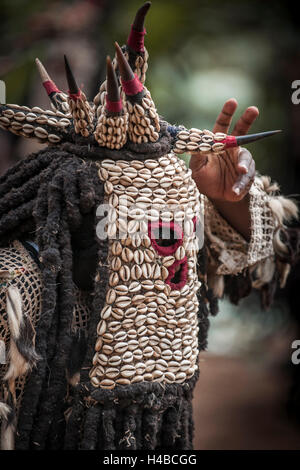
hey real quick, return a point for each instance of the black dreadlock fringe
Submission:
(141, 416)
(88, 148)
(17, 195)
(138, 431)
(74, 425)
(90, 430)
(109, 430)
(17, 175)
(118, 427)
(128, 440)
(171, 421)
(51, 259)
(57, 430)
(150, 428)
(36, 379)
(54, 394)
(44, 198)
(98, 303)
(191, 428)
(208, 303)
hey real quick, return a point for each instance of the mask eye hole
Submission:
(165, 237)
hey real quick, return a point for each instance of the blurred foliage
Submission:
(201, 53)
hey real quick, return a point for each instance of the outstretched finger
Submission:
(246, 120)
(224, 119)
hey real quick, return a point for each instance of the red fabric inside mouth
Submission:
(177, 274)
(165, 246)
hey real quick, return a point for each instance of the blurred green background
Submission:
(201, 53)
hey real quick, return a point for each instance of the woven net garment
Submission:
(229, 247)
(29, 285)
(25, 275)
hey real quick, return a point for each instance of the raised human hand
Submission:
(226, 176)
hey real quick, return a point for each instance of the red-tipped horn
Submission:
(73, 88)
(80, 108)
(136, 37)
(124, 68)
(48, 83)
(130, 82)
(57, 97)
(232, 141)
(113, 101)
(139, 19)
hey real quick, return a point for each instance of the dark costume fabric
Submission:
(103, 334)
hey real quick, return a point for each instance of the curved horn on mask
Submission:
(137, 53)
(136, 36)
(113, 93)
(125, 70)
(57, 97)
(80, 108)
(73, 87)
(143, 118)
(112, 126)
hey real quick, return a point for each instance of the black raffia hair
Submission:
(48, 197)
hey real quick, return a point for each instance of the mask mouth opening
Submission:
(177, 274)
(165, 237)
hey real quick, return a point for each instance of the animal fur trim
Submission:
(4, 411)
(22, 355)
(8, 427)
(283, 209)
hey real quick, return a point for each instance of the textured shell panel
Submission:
(148, 326)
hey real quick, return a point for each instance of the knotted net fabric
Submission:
(29, 282)
(14, 258)
(229, 251)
